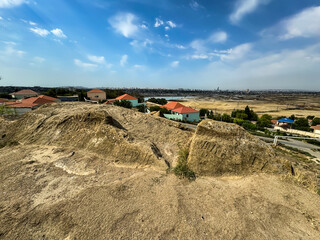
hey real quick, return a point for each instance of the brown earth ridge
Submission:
(82, 171)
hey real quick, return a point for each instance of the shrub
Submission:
(182, 168)
(315, 121)
(264, 121)
(226, 118)
(161, 101)
(203, 112)
(123, 103)
(141, 108)
(164, 111)
(301, 124)
(154, 108)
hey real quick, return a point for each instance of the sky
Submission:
(192, 44)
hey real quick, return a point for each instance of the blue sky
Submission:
(234, 44)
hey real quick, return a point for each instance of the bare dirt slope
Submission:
(56, 186)
(218, 148)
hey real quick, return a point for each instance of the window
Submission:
(187, 115)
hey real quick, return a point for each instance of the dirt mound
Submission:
(222, 148)
(118, 134)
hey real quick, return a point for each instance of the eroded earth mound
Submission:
(82, 171)
(219, 148)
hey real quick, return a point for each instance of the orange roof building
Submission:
(28, 104)
(126, 97)
(181, 112)
(172, 105)
(97, 95)
(185, 109)
(25, 93)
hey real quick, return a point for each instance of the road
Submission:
(297, 144)
(290, 143)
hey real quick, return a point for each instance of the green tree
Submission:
(226, 118)
(301, 124)
(315, 121)
(154, 108)
(141, 108)
(203, 112)
(123, 103)
(242, 115)
(264, 121)
(161, 101)
(248, 112)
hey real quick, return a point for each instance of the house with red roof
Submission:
(29, 104)
(97, 95)
(125, 97)
(25, 93)
(181, 112)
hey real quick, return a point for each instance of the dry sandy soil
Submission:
(55, 186)
(275, 105)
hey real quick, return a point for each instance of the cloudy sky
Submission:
(203, 44)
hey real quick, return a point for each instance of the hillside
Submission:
(82, 171)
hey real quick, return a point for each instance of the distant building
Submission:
(25, 93)
(316, 129)
(284, 123)
(3, 100)
(181, 112)
(97, 95)
(29, 104)
(127, 97)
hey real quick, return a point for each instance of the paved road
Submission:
(291, 143)
(297, 144)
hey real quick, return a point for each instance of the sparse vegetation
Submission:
(123, 103)
(161, 101)
(182, 168)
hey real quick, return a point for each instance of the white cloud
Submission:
(97, 59)
(11, 3)
(237, 52)
(39, 59)
(158, 22)
(171, 24)
(11, 51)
(1, 18)
(244, 7)
(180, 46)
(32, 23)
(166, 35)
(167, 28)
(199, 56)
(40, 31)
(304, 24)
(194, 5)
(124, 23)
(58, 33)
(124, 60)
(286, 69)
(175, 64)
(218, 37)
(139, 67)
(143, 26)
(198, 45)
(89, 66)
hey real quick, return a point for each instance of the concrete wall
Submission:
(97, 96)
(20, 111)
(299, 132)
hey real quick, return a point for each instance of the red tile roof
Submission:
(126, 97)
(172, 105)
(96, 90)
(2, 100)
(316, 127)
(49, 98)
(29, 102)
(274, 121)
(185, 110)
(25, 92)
